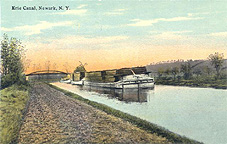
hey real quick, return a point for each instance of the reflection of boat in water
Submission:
(126, 95)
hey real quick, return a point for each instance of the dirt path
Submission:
(53, 117)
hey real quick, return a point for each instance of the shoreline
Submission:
(140, 123)
(214, 86)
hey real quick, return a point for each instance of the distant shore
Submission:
(193, 83)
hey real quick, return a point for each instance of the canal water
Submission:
(197, 113)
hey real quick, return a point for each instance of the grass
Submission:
(12, 107)
(147, 126)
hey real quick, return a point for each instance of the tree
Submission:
(26, 64)
(167, 71)
(12, 55)
(67, 67)
(175, 71)
(34, 67)
(47, 65)
(198, 72)
(81, 67)
(207, 70)
(217, 61)
(186, 69)
(160, 72)
(39, 67)
(54, 66)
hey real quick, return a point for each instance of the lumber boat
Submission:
(125, 82)
(124, 78)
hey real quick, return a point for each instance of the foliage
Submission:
(196, 75)
(81, 68)
(12, 56)
(197, 72)
(160, 72)
(174, 72)
(207, 70)
(217, 61)
(186, 69)
(12, 106)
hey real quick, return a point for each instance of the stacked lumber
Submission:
(94, 76)
(110, 72)
(109, 79)
(77, 76)
(124, 72)
(109, 75)
(112, 75)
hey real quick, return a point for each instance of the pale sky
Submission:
(113, 34)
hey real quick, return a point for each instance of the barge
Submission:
(125, 78)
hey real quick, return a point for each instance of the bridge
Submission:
(46, 75)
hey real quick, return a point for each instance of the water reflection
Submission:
(126, 95)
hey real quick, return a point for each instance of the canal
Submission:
(197, 113)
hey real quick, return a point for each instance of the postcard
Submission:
(105, 71)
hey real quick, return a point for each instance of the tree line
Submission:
(187, 70)
(12, 62)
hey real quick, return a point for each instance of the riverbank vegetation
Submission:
(14, 89)
(147, 126)
(12, 62)
(12, 108)
(211, 73)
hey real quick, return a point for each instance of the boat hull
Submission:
(121, 86)
(65, 81)
(77, 82)
(135, 85)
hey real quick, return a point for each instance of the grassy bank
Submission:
(147, 126)
(218, 84)
(12, 107)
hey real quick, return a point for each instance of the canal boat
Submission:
(68, 81)
(81, 82)
(135, 81)
(135, 77)
(127, 82)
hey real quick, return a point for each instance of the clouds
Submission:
(219, 34)
(78, 42)
(38, 28)
(170, 35)
(116, 12)
(81, 6)
(142, 23)
(82, 41)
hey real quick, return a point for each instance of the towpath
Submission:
(53, 117)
